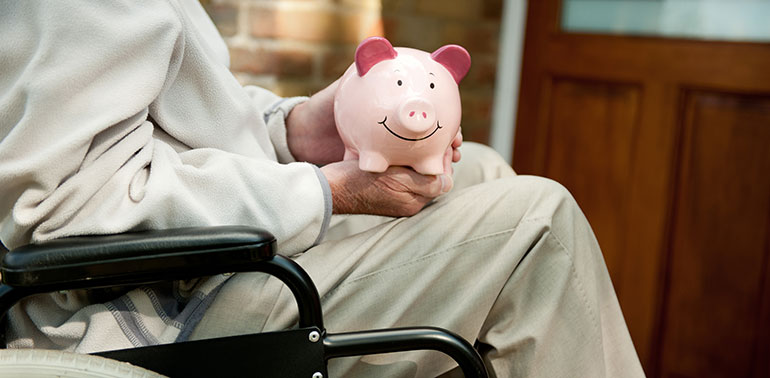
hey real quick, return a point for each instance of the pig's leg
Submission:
(350, 154)
(430, 166)
(372, 162)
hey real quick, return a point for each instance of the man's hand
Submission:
(397, 192)
(311, 131)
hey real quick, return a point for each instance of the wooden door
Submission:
(665, 144)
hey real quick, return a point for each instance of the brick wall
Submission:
(296, 47)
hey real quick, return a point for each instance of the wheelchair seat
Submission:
(139, 258)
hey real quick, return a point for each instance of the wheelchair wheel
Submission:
(31, 363)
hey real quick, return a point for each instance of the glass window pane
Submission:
(736, 20)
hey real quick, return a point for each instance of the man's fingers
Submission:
(429, 186)
(448, 158)
(399, 191)
(458, 140)
(447, 182)
(434, 186)
(456, 143)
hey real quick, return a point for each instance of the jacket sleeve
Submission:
(275, 110)
(113, 118)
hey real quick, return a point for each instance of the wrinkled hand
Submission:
(397, 192)
(311, 131)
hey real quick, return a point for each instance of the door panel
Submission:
(720, 239)
(603, 137)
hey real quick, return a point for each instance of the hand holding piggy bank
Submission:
(400, 106)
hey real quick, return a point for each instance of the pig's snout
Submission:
(417, 115)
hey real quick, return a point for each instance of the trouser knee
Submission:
(559, 213)
(543, 196)
(504, 203)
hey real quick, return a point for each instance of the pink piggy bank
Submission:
(400, 106)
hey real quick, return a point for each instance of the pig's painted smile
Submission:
(438, 126)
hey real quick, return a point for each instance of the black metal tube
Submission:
(301, 285)
(289, 272)
(404, 339)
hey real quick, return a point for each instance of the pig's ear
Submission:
(455, 58)
(372, 51)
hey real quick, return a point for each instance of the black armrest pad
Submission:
(134, 258)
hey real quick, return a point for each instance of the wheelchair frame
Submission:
(138, 258)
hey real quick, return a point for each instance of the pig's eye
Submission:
(400, 83)
(432, 85)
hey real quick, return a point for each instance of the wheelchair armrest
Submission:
(134, 258)
(145, 257)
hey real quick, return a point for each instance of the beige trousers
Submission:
(508, 261)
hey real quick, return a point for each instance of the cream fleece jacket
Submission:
(123, 115)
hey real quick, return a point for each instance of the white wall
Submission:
(508, 76)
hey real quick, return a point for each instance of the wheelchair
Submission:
(139, 258)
